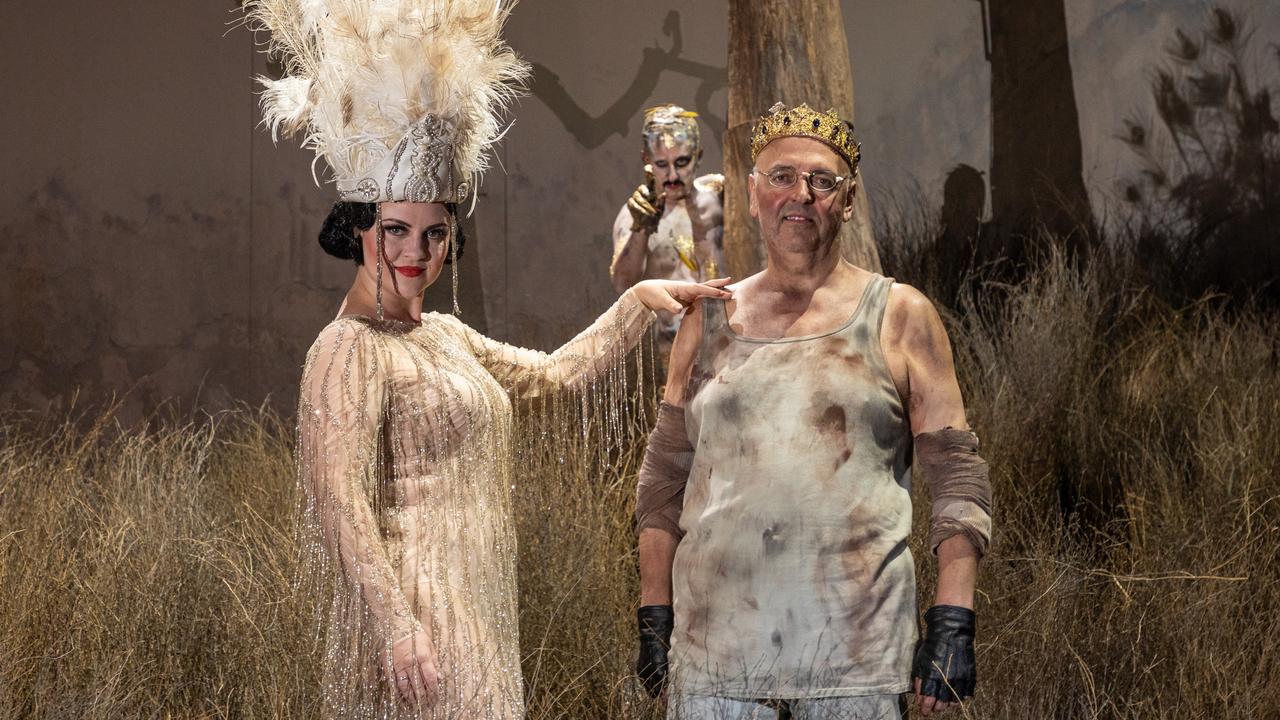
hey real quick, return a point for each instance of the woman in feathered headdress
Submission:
(404, 437)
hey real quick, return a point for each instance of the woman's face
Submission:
(415, 242)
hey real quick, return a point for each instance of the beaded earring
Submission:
(377, 224)
(453, 262)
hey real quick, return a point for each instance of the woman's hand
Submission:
(412, 668)
(674, 296)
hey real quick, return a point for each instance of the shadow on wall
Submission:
(592, 132)
(1203, 209)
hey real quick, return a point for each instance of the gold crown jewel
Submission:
(804, 121)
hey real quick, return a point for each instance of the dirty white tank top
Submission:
(794, 579)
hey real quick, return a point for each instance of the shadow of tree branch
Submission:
(593, 131)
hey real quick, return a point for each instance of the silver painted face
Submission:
(674, 166)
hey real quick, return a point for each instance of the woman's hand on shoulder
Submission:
(674, 296)
(413, 670)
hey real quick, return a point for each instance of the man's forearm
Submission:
(657, 553)
(957, 572)
(629, 263)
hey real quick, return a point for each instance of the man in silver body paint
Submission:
(671, 227)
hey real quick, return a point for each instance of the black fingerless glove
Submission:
(655, 623)
(944, 656)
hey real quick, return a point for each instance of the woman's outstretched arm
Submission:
(527, 372)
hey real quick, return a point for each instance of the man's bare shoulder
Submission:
(684, 350)
(710, 184)
(622, 224)
(708, 196)
(744, 288)
(911, 320)
(907, 300)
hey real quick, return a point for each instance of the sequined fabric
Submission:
(404, 458)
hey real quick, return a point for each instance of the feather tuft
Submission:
(360, 73)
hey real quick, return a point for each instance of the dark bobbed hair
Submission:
(339, 236)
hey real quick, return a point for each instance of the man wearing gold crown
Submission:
(774, 500)
(672, 224)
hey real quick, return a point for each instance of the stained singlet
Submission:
(794, 579)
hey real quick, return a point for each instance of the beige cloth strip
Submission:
(664, 472)
(958, 484)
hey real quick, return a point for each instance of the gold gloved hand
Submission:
(645, 205)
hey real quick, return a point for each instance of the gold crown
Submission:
(804, 121)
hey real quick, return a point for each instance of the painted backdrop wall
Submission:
(156, 244)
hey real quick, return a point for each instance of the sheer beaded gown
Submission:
(404, 454)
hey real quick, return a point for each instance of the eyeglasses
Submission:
(820, 181)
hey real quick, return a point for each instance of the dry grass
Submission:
(147, 574)
(1136, 457)
(1136, 453)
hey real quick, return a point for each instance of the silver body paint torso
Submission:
(662, 260)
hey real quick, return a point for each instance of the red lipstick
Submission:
(410, 270)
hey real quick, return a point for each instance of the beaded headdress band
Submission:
(804, 121)
(671, 125)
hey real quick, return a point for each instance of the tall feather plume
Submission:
(359, 73)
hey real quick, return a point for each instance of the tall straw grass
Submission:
(148, 573)
(1135, 451)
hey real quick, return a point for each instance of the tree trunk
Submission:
(1036, 166)
(792, 51)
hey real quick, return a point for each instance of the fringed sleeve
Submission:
(340, 463)
(529, 373)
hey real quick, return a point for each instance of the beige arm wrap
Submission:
(958, 485)
(664, 472)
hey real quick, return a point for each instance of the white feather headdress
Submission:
(401, 98)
